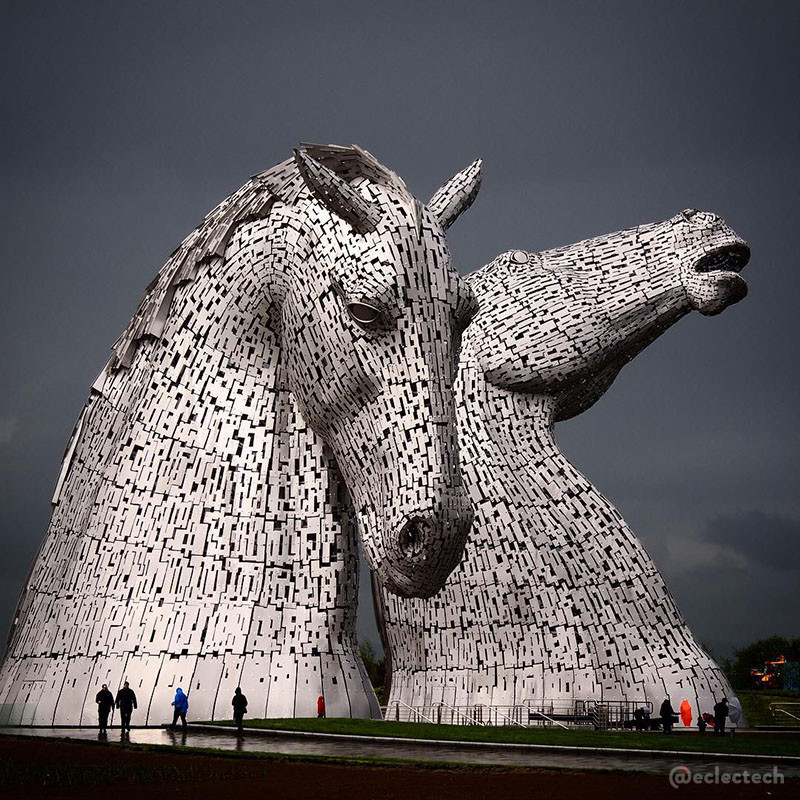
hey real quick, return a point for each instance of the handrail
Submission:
(528, 700)
(469, 720)
(497, 713)
(412, 709)
(544, 716)
(773, 707)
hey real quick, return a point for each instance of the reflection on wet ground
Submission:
(265, 743)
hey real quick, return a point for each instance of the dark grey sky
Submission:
(125, 122)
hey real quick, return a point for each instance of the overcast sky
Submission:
(125, 122)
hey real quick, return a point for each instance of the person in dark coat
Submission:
(321, 707)
(239, 704)
(181, 704)
(638, 719)
(105, 702)
(667, 716)
(125, 702)
(720, 715)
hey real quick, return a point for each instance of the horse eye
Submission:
(363, 313)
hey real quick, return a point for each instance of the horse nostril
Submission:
(411, 539)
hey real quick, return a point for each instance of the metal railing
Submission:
(410, 713)
(437, 713)
(464, 717)
(564, 714)
(780, 712)
(498, 715)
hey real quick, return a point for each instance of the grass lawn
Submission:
(547, 736)
(755, 704)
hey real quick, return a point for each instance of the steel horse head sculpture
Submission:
(201, 535)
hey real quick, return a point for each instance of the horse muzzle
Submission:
(713, 282)
(424, 549)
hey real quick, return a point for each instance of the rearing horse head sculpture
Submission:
(563, 322)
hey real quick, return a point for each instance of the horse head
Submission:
(371, 313)
(563, 322)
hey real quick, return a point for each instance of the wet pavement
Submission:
(255, 742)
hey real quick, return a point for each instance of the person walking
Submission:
(239, 704)
(720, 715)
(321, 707)
(638, 719)
(105, 702)
(667, 716)
(125, 702)
(181, 704)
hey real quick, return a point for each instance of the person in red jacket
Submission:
(320, 707)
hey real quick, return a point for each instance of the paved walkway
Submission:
(343, 745)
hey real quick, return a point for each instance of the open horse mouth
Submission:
(713, 282)
(729, 258)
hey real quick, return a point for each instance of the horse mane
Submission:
(207, 242)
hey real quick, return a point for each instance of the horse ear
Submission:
(337, 195)
(456, 196)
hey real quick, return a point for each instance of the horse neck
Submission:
(508, 450)
(497, 425)
(209, 403)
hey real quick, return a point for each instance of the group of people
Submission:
(125, 701)
(669, 717)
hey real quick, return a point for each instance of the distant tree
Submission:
(754, 656)
(376, 668)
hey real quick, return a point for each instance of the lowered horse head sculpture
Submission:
(293, 360)
(556, 601)
(371, 325)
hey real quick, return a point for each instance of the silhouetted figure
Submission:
(720, 715)
(701, 725)
(105, 702)
(320, 707)
(667, 716)
(638, 719)
(239, 704)
(181, 703)
(125, 702)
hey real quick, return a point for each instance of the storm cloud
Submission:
(125, 122)
(770, 540)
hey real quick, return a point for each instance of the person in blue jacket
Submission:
(181, 703)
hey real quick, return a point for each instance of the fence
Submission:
(786, 713)
(530, 713)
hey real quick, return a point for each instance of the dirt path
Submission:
(93, 771)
